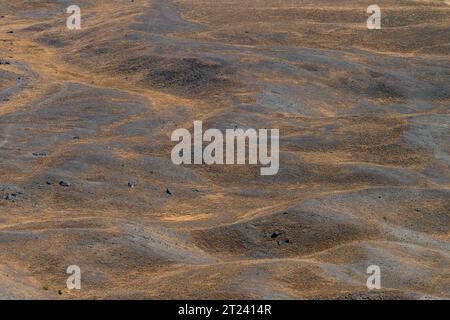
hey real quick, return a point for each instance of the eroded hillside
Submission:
(364, 173)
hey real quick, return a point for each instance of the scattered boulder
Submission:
(10, 196)
(275, 235)
(4, 62)
(280, 242)
(169, 192)
(10, 31)
(39, 154)
(63, 183)
(131, 184)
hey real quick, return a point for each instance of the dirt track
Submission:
(364, 166)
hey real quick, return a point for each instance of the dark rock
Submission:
(10, 196)
(39, 154)
(63, 183)
(168, 191)
(275, 235)
(131, 184)
(10, 31)
(280, 242)
(4, 62)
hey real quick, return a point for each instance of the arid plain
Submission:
(364, 125)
